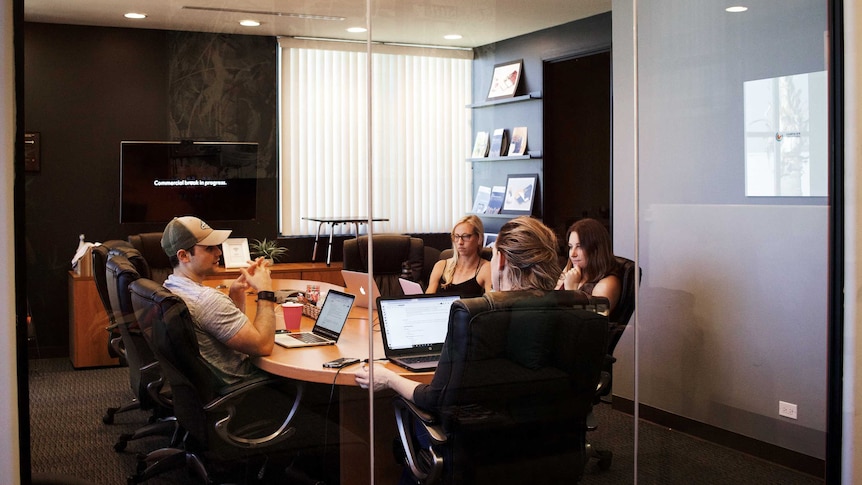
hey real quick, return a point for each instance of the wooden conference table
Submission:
(306, 364)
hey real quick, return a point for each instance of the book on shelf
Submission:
(499, 143)
(495, 202)
(483, 196)
(519, 141)
(480, 148)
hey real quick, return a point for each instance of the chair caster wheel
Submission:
(108, 418)
(121, 443)
(605, 458)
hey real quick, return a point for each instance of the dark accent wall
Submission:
(88, 88)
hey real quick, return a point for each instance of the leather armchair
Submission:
(630, 277)
(149, 244)
(220, 424)
(390, 251)
(511, 395)
(145, 378)
(99, 259)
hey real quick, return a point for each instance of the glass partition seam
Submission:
(636, 162)
(368, 208)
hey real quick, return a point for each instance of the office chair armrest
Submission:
(158, 389)
(228, 400)
(119, 348)
(419, 434)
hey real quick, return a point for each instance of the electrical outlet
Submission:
(786, 409)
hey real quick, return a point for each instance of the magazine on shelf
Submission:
(480, 148)
(499, 143)
(495, 203)
(519, 141)
(483, 196)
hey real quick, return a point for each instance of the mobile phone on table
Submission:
(339, 363)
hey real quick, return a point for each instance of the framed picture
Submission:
(520, 192)
(235, 252)
(489, 239)
(504, 82)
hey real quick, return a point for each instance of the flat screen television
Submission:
(216, 181)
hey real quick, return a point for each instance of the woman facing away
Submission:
(465, 274)
(592, 266)
(524, 258)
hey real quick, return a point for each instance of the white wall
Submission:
(9, 468)
(732, 309)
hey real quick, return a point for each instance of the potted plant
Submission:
(269, 249)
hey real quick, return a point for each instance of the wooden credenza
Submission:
(88, 339)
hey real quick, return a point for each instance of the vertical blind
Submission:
(420, 135)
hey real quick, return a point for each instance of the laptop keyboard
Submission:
(308, 338)
(420, 359)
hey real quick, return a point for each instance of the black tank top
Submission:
(465, 289)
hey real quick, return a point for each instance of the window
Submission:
(420, 131)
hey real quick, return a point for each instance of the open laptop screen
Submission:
(334, 313)
(417, 322)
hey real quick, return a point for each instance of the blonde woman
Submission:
(465, 274)
(524, 258)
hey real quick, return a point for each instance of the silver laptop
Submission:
(327, 329)
(414, 329)
(410, 287)
(357, 285)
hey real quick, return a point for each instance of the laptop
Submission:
(410, 287)
(414, 328)
(327, 328)
(356, 284)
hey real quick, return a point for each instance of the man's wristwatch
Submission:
(266, 295)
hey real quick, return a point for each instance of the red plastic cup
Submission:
(292, 316)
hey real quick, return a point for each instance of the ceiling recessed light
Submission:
(737, 9)
(134, 15)
(452, 36)
(249, 23)
(356, 30)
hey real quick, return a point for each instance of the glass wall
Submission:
(732, 311)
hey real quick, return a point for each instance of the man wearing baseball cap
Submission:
(226, 336)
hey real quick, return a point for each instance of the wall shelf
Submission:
(532, 155)
(516, 99)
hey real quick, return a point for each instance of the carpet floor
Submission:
(69, 439)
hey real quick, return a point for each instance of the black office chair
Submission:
(218, 424)
(145, 378)
(617, 321)
(149, 244)
(520, 372)
(486, 253)
(99, 257)
(390, 252)
(100, 254)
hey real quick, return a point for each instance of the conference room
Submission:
(667, 138)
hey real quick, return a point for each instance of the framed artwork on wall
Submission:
(520, 193)
(504, 82)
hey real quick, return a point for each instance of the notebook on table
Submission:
(410, 287)
(414, 328)
(357, 285)
(327, 328)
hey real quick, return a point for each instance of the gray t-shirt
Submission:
(216, 320)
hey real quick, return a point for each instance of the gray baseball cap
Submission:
(184, 232)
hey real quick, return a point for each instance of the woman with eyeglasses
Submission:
(465, 274)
